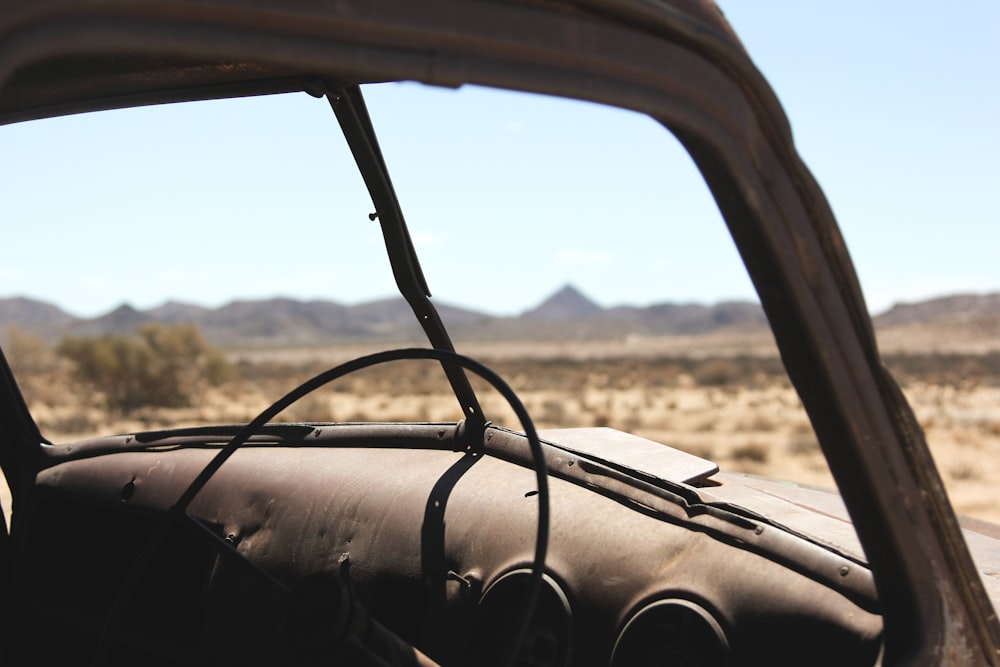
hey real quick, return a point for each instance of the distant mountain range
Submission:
(956, 309)
(567, 314)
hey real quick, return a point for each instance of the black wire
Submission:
(179, 508)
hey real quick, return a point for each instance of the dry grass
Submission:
(739, 411)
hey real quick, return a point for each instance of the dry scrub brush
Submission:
(156, 366)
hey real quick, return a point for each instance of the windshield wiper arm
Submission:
(352, 114)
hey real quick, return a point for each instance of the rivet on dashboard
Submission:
(758, 530)
(844, 570)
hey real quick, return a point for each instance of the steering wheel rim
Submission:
(178, 511)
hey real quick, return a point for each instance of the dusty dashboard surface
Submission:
(632, 572)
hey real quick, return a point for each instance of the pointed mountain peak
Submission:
(568, 303)
(122, 320)
(125, 309)
(177, 311)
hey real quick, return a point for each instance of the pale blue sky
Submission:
(894, 107)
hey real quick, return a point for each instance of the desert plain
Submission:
(724, 397)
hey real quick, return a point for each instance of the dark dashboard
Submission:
(437, 546)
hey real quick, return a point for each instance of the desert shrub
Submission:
(700, 449)
(314, 407)
(718, 372)
(964, 472)
(40, 373)
(757, 422)
(601, 419)
(552, 411)
(26, 352)
(77, 421)
(955, 370)
(757, 452)
(803, 444)
(158, 366)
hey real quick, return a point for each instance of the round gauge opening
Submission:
(501, 610)
(678, 633)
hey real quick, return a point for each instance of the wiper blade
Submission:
(352, 114)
